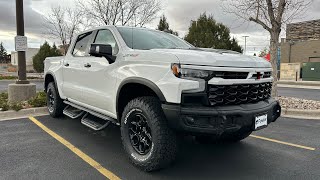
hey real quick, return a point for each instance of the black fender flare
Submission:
(54, 79)
(142, 81)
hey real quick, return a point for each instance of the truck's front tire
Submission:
(54, 102)
(146, 137)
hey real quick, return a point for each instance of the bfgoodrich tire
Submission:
(54, 102)
(146, 137)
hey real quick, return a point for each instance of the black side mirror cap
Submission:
(102, 50)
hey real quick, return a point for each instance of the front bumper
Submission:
(219, 120)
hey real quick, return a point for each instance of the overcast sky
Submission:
(179, 14)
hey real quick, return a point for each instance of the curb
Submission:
(24, 113)
(299, 113)
(300, 83)
(297, 86)
(30, 80)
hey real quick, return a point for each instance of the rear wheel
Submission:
(146, 137)
(54, 102)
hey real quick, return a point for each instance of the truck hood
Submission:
(214, 57)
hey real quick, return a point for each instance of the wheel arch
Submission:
(49, 77)
(145, 86)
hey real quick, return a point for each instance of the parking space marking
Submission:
(282, 142)
(108, 174)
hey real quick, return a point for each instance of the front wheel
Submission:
(146, 137)
(54, 102)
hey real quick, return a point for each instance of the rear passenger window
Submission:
(81, 45)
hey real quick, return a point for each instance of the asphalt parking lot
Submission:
(48, 148)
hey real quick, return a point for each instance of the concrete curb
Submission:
(298, 86)
(299, 113)
(31, 80)
(300, 83)
(24, 113)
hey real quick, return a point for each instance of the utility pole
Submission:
(245, 44)
(22, 75)
(22, 90)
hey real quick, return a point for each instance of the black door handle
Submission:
(87, 65)
(67, 64)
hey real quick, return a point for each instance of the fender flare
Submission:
(54, 79)
(142, 81)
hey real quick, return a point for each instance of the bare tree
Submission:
(63, 23)
(271, 15)
(120, 12)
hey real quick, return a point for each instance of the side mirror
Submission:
(102, 50)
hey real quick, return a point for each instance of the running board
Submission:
(72, 112)
(94, 122)
(94, 113)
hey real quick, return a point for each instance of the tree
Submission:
(120, 12)
(44, 52)
(271, 15)
(164, 26)
(207, 33)
(63, 23)
(3, 52)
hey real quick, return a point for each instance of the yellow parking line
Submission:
(108, 174)
(282, 142)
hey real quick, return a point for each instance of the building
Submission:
(302, 42)
(29, 55)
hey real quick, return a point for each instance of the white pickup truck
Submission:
(156, 86)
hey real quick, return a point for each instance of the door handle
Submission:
(67, 64)
(87, 65)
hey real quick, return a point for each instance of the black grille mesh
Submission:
(238, 94)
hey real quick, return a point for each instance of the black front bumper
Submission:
(219, 120)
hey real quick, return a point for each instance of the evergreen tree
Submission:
(207, 33)
(164, 26)
(3, 52)
(44, 52)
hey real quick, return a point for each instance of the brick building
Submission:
(302, 42)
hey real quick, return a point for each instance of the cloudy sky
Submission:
(179, 14)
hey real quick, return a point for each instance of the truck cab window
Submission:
(106, 37)
(81, 45)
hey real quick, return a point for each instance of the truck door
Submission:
(73, 67)
(99, 76)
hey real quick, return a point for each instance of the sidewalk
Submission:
(299, 84)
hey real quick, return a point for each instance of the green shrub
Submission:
(16, 106)
(4, 102)
(8, 77)
(40, 100)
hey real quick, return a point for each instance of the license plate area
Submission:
(260, 121)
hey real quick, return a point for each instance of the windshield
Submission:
(144, 39)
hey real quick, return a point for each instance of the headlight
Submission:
(190, 73)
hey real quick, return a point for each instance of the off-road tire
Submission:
(164, 141)
(55, 109)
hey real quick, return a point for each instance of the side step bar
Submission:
(72, 112)
(94, 122)
(94, 113)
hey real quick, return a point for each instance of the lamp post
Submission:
(245, 44)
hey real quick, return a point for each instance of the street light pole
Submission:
(245, 44)
(22, 75)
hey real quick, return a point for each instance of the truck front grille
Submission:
(220, 95)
